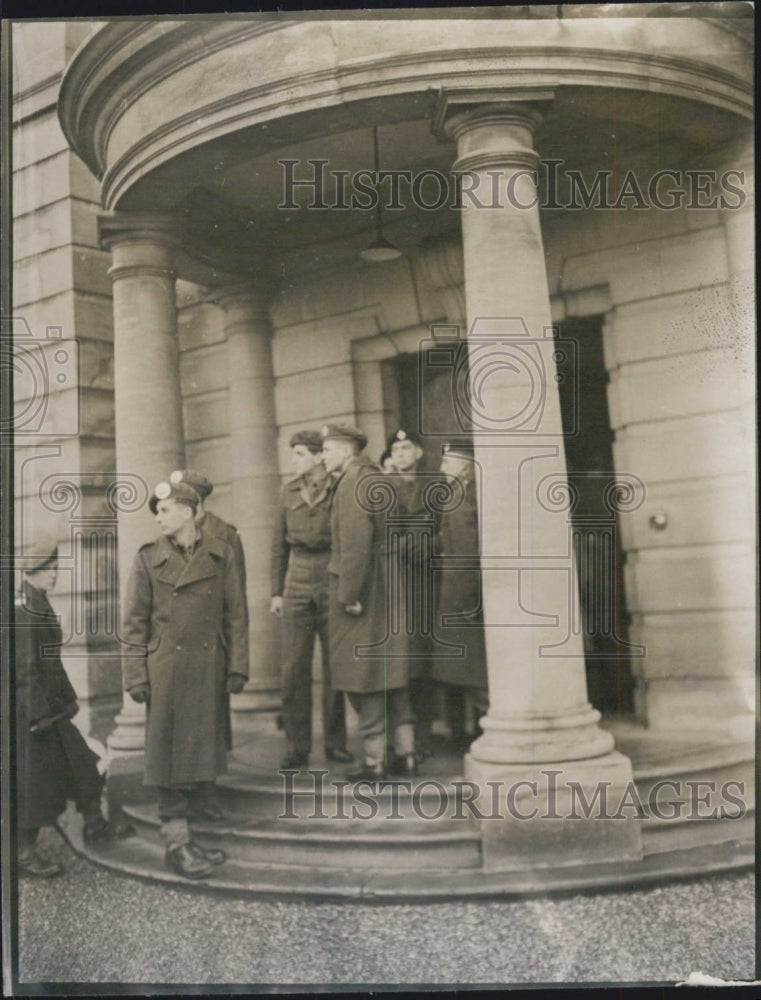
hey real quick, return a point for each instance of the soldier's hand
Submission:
(276, 606)
(354, 609)
(235, 683)
(141, 693)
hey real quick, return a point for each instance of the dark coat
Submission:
(215, 526)
(358, 572)
(55, 764)
(187, 624)
(410, 562)
(459, 593)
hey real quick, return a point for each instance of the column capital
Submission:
(492, 128)
(117, 228)
(463, 103)
(251, 295)
(141, 244)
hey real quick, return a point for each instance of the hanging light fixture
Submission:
(380, 249)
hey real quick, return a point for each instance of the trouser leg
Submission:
(401, 721)
(421, 691)
(298, 639)
(371, 725)
(333, 709)
(174, 806)
(454, 701)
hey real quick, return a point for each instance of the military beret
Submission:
(194, 478)
(403, 435)
(181, 492)
(458, 449)
(344, 432)
(310, 439)
(39, 553)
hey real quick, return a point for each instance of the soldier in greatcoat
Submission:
(212, 524)
(375, 685)
(459, 594)
(185, 623)
(299, 579)
(414, 577)
(53, 761)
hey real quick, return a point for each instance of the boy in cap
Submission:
(214, 525)
(53, 760)
(185, 619)
(299, 579)
(376, 686)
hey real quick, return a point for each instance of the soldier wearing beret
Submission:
(460, 595)
(214, 525)
(375, 686)
(53, 761)
(406, 450)
(186, 625)
(299, 579)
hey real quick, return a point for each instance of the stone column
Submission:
(147, 398)
(540, 730)
(255, 481)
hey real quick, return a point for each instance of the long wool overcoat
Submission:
(185, 624)
(459, 594)
(54, 764)
(358, 571)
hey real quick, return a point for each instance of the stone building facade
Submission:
(216, 312)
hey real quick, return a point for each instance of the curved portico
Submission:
(247, 175)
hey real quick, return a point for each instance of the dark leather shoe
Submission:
(183, 860)
(368, 772)
(210, 813)
(404, 766)
(212, 854)
(34, 865)
(100, 831)
(340, 754)
(294, 759)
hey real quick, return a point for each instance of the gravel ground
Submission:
(90, 926)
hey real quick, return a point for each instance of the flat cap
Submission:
(310, 439)
(194, 478)
(181, 492)
(401, 434)
(458, 449)
(38, 553)
(344, 432)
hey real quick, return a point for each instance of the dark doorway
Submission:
(589, 458)
(410, 388)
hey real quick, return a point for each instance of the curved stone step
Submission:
(145, 859)
(295, 842)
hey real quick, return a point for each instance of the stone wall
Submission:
(62, 294)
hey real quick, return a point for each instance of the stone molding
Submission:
(124, 61)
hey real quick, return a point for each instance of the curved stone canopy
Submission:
(193, 117)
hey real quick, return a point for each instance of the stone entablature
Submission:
(131, 73)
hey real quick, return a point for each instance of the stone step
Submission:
(323, 844)
(144, 859)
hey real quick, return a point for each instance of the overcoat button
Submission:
(206, 645)
(178, 647)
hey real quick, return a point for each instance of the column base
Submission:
(531, 738)
(556, 814)
(129, 735)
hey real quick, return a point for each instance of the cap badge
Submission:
(163, 491)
